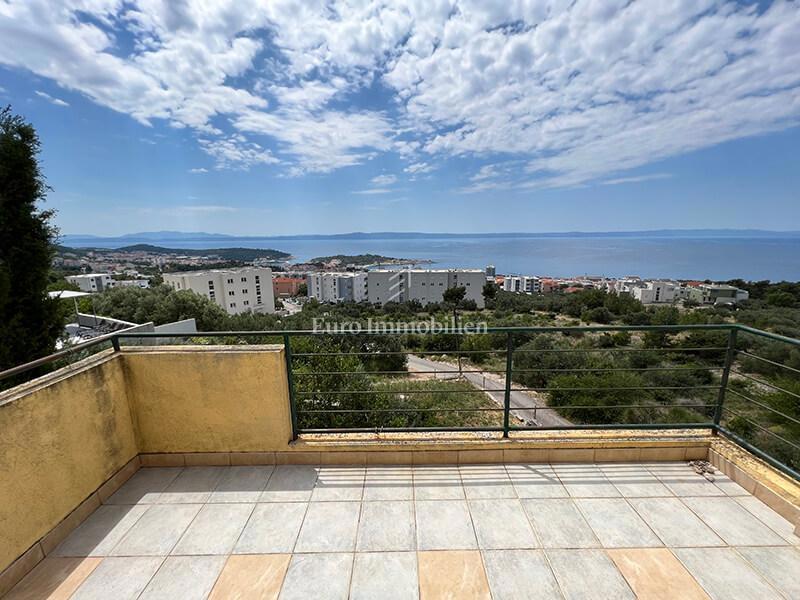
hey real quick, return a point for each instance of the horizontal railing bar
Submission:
(109, 337)
(397, 372)
(613, 426)
(766, 360)
(357, 392)
(398, 410)
(759, 453)
(621, 349)
(767, 383)
(765, 406)
(537, 408)
(444, 331)
(500, 371)
(589, 369)
(768, 334)
(398, 429)
(599, 389)
(483, 390)
(762, 428)
(399, 352)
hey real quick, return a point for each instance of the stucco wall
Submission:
(209, 398)
(61, 437)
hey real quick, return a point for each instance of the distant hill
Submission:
(178, 236)
(238, 254)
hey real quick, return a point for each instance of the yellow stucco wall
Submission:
(61, 437)
(209, 398)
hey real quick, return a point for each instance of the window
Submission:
(246, 303)
(211, 295)
(233, 304)
(231, 293)
(211, 285)
(258, 279)
(244, 279)
(230, 280)
(244, 291)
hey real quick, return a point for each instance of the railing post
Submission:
(723, 384)
(287, 352)
(115, 343)
(507, 396)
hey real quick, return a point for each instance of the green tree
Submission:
(30, 322)
(489, 291)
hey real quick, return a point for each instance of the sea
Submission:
(717, 258)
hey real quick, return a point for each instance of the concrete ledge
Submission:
(778, 491)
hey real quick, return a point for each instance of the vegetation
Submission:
(30, 322)
(243, 255)
(360, 260)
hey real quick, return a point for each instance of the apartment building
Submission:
(656, 292)
(712, 293)
(337, 287)
(92, 282)
(523, 284)
(235, 290)
(285, 287)
(424, 285)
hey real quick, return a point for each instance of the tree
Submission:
(30, 322)
(302, 289)
(453, 297)
(489, 291)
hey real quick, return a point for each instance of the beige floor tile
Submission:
(437, 483)
(444, 525)
(585, 481)
(655, 574)
(54, 579)
(452, 575)
(251, 577)
(536, 481)
(215, 529)
(486, 481)
(290, 483)
(272, 528)
(388, 483)
(329, 527)
(386, 526)
(157, 530)
(674, 523)
(339, 484)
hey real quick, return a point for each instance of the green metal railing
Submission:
(734, 369)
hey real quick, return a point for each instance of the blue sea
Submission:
(716, 258)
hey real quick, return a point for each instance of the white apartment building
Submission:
(522, 283)
(235, 290)
(423, 285)
(92, 282)
(656, 292)
(337, 287)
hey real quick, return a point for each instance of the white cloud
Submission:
(574, 91)
(636, 178)
(51, 99)
(387, 179)
(373, 191)
(198, 170)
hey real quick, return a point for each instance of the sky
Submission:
(258, 117)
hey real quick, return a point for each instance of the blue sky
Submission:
(272, 117)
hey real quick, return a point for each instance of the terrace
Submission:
(251, 471)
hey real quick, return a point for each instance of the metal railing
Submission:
(663, 378)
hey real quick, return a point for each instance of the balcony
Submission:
(229, 470)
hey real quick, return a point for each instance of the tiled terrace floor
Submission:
(483, 531)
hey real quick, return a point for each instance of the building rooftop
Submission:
(579, 530)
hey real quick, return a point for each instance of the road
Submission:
(524, 405)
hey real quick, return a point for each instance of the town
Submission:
(256, 287)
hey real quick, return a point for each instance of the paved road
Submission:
(524, 405)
